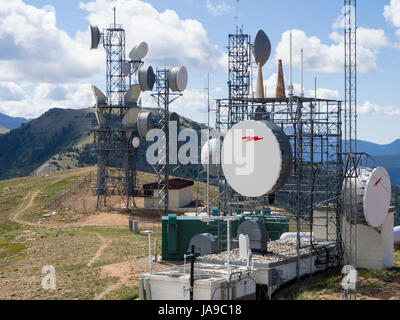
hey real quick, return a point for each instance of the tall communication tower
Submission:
(351, 156)
(111, 137)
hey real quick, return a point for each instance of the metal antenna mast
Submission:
(351, 156)
(112, 140)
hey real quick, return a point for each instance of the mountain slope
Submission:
(24, 149)
(11, 122)
(60, 139)
(379, 149)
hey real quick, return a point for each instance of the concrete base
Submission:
(375, 245)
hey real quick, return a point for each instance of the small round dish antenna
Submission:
(178, 79)
(146, 77)
(136, 142)
(139, 52)
(262, 48)
(95, 36)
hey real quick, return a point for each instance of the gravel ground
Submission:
(278, 250)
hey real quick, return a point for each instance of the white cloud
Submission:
(219, 8)
(34, 49)
(46, 96)
(171, 40)
(10, 91)
(320, 57)
(371, 108)
(392, 12)
(56, 70)
(323, 93)
(193, 104)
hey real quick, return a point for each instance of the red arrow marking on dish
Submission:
(248, 139)
(379, 180)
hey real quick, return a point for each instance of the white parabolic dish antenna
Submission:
(256, 158)
(262, 48)
(373, 189)
(139, 52)
(99, 96)
(146, 77)
(211, 156)
(178, 79)
(94, 37)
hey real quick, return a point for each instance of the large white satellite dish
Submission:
(95, 36)
(372, 190)
(146, 77)
(256, 158)
(211, 156)
(178, 79)
(139, 52)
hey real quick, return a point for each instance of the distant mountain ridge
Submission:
(58, 131)
(379, 149)
(11, 123)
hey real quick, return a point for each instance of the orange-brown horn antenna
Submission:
(280, 92)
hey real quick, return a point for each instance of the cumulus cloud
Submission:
(372, 108)
(322, 57)
(171, 40)
(392, 12)
(57, 68)
(44, 97)
(34, 49)
(10, 91)
(219, 8)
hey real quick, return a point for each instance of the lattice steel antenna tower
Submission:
(163, 96)
(111, 137)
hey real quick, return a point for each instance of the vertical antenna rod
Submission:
(115, 15)
(237, 15)
(301, 76)
(291, 68)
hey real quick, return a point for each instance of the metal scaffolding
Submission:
(311, 198)
(163, 97)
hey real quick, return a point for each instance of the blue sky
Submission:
(45, 59)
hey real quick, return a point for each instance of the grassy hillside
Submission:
(24, 149)
(61, 139)
(396, 203)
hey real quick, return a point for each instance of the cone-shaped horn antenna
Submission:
(280, 86)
